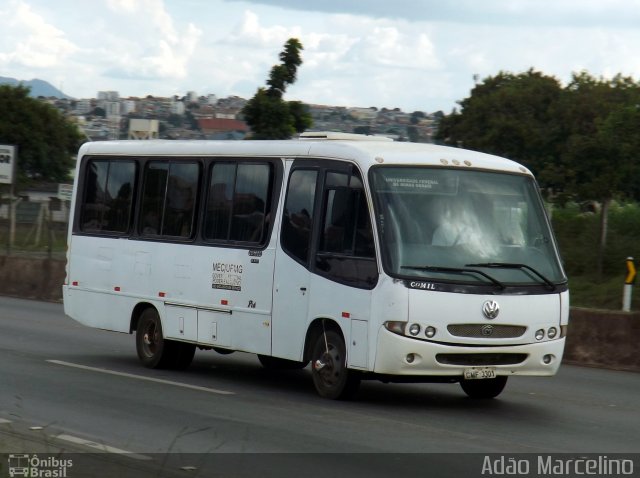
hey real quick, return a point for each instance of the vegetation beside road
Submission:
(577, 232)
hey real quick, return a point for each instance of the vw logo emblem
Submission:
(487, 330)
(490, 309)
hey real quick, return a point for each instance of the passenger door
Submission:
(344, 265)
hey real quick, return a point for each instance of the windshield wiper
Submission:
(509, 265)
(456, 270)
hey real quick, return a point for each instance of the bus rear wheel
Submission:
(484, 389)
(183, 355)
(331, 376)
(154, 351)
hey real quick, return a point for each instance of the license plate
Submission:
(479, 373)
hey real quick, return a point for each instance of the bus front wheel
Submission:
(486, 388)
(331, 376)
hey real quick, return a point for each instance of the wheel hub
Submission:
(319, 365)
(328, 367)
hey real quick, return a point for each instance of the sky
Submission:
(416, 55)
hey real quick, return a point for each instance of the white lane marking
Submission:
(3, 421)
(140, 377)
(100, 447)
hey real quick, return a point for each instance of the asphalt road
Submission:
(67, 388)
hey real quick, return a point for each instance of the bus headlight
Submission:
(414, 329)
(429, 332)
(539, 334)
(552, 332)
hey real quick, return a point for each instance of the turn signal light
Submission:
(395, 326)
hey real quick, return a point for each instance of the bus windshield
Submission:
(446, 224)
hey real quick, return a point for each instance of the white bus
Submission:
(369, 258)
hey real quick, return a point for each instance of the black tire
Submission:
(276, 363)
(153, 350)
(331, 376)
(484, 389)
(184, 353)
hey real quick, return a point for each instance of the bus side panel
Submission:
(214, 328)
(350, 307)
(101, 310)
(94, 296)
(290, 307)
(239, 282)
(181, 323)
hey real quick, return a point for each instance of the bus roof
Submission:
(366, 151)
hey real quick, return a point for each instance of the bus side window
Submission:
(346, 252)
(219, 203)
(298, 214)
(238, 201)
(182, 189)
(107, 203)
(364, 245)
(248, 222)
(168, 199)
(155, 180)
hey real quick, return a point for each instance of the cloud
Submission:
(413, 54)
(391, 46)
(157, 50)
(250, 33)
(577, 13)
(346, 59)
(29, 40)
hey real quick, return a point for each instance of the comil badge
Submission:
(490, 309)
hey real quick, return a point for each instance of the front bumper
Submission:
(400, 355)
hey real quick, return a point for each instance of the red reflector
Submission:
(75, 283)
(224, 302)
(161, 294)
(346, 315)
(116, 288)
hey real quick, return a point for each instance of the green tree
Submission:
(598, 117)
(302, 120)
(46, 140)
(267, 114)
(511, 115)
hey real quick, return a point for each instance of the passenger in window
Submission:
(457, 224)
(302, 222)
(151, 223)
(297, 231)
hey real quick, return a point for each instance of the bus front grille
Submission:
(481, 360)
(486, 331)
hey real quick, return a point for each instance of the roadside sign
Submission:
(65, 191)
(628, 285)
(631, 271)
(7, 160)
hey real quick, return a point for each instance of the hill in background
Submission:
(38, 87)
